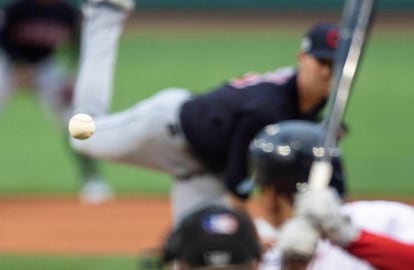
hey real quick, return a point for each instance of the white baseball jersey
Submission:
(391, 219)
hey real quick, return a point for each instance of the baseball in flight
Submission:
(81, 126)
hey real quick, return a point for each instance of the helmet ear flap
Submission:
(172, 246)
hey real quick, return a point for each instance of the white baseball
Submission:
(81, 126)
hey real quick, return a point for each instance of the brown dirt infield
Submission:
(68, 226)
(56, 225)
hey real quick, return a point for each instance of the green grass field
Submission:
(14, 262)
(378, 150)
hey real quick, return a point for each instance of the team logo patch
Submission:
(332, 39)
(220, 224)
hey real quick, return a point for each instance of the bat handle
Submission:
(320, 174)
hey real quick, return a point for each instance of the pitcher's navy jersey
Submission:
(32, 29)
(220, 124)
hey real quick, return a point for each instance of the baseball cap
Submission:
(214, 236)
(321, 41)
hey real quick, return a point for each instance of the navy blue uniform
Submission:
(33, 29)
(220, 124)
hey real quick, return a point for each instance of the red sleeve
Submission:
(382, 252)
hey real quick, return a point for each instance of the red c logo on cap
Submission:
(332, 38)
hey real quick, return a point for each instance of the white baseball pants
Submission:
(142, 135)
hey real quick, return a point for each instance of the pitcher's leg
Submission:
(5, 80)
(140, 136)
(55, 88)
(101, 30)
(190, 194)
(126, 5)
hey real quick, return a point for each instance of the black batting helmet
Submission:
(281, 156)
(214, 236)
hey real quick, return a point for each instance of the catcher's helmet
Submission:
(281, 156)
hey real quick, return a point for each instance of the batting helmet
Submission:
(216, 237)
(281, 156)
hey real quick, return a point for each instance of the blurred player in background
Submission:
(213, 237)
(202, 141)
(39, 39)
(361, 235)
